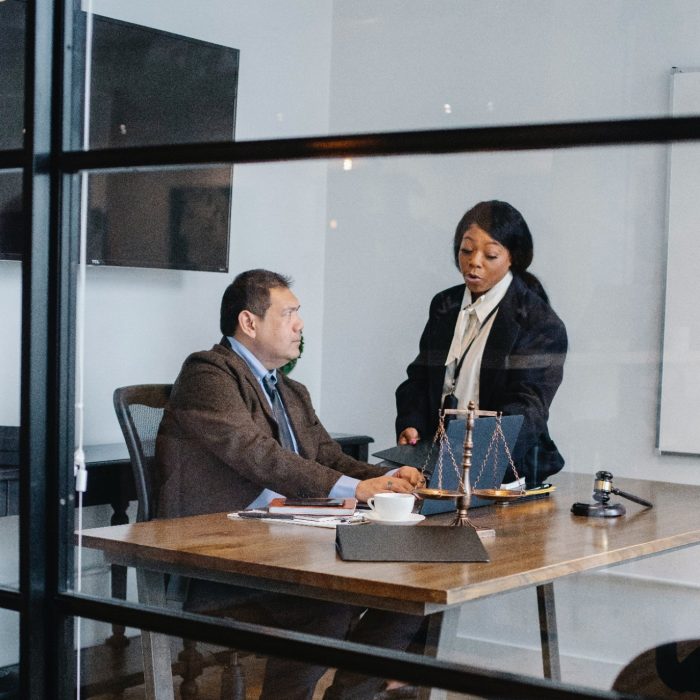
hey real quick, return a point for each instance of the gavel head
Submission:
(602, 487)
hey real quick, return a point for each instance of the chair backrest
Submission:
(139, 412)
(666, 672)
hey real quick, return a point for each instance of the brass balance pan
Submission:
(437, 493)
(497, 494)
(488, 494)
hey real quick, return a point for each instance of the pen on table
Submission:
(540, 487)
(259, 514)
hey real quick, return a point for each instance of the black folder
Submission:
(425, 455)
(376, 542)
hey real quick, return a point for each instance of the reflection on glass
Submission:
(9, 470)
(9, 654)
(358, 69)
(209, 671)
(366, 67)
(11, 218)
(12, 15)
(191, 669)
(177, 219)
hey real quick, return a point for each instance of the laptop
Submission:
(425, 454)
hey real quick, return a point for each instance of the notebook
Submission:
(312, 506)
(425, 453)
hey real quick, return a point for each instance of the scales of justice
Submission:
(464, 493)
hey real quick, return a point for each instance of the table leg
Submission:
(118, 640)
(157, 668)
(548, 631)
(440, 641)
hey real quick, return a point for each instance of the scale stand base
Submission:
(463, 521)
(598, 510)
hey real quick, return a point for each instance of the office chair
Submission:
(139, 410)
(667, 672)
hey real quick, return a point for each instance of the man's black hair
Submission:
(249, 291)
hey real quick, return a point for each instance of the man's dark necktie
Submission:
(285, 436)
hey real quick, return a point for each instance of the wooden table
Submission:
(536, 543)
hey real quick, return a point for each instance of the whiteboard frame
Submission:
(679, 389)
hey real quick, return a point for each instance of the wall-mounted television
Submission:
(147, 87)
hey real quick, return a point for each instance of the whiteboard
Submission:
(679, 411)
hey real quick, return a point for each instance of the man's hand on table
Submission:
(410, 474)
(403, 480)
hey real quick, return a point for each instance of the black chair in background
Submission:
(9, 471)
(667, 672)
(139, 410)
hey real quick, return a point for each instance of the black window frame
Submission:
(44, 602)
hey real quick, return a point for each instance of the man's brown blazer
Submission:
(217, 445)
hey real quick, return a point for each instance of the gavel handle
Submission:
(630, 497)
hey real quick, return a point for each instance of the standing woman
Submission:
(494, 340)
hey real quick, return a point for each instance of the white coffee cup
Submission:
(392, 506)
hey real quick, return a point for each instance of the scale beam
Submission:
(478, 413)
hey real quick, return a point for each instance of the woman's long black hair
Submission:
(505, 224)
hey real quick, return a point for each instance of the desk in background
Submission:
(9, 470)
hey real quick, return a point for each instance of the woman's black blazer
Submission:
(521, 370)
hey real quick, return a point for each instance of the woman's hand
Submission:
(409, 436)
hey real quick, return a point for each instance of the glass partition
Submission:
(362, 67)
(11, 138)
(369, 242)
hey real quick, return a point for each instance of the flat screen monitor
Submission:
(148, 87)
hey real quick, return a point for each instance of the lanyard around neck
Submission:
(458, 367)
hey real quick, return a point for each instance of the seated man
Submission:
(235, 434)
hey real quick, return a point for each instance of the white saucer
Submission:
(412, 519)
